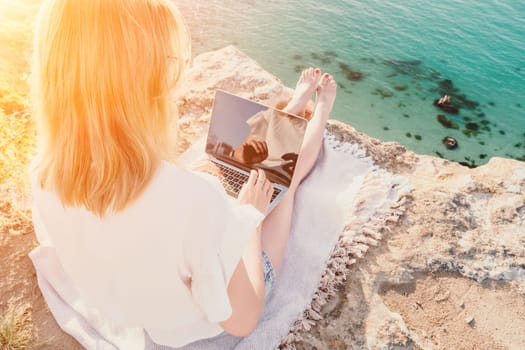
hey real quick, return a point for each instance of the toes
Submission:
(326, 78)
(327, 81)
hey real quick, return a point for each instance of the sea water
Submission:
(392, 59)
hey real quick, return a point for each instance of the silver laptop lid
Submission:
(249, 135)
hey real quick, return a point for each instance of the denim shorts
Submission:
(269, 275)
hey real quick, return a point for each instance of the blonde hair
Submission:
(103, 73)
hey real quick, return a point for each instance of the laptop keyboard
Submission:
(233, 180)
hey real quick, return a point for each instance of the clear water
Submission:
(403, 49)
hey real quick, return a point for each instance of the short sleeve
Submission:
(212, 253)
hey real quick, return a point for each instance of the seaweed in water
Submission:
(469, 132)
(472, 126)
(299, 68)
(383, 93)
(350, 74)
(404, 67)
(324, 57)
(471, 165)
(446, 87)
(400, 87)
(447, 123)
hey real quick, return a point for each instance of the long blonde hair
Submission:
(103, 72)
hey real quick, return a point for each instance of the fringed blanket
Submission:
(341, 210)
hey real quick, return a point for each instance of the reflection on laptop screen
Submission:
(249, 135)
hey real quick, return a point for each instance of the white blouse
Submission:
(164, 263)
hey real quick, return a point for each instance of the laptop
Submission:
(246, 135)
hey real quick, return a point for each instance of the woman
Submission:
(147, 243)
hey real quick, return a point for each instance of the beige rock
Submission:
(458, 249)
(466, 222)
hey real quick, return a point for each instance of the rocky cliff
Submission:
(449, 275)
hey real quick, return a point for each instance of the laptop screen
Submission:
(250, 135)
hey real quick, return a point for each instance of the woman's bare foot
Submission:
(313, 138)
(304, 89)
(325, 95)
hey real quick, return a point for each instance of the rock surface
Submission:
(459, 249)
(449, 275)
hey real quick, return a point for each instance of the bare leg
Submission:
(276, 227)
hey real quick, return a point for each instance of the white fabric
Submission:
(163, 264)
(323, 206)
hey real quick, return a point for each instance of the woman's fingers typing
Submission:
(256, 191)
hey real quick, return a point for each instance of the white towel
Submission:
(339, 200)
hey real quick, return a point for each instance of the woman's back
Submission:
(135, 266)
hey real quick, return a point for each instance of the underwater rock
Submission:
(406, 115)
(383, 93)
(502, 132)
(446, 84)
(450, 142)
(472, 126)
(400, 87)
(447, 123)
(386, 128)
(299, 68)
(482, 156)
(297, 56)
(418, 137)
(447, 107)
(324, 57)
(354, 76)
(408, 134)
(446, 87)
(410, 67)
(470, 165)
(330, 53)
(344, 67)
(350, 74)
(469, 132)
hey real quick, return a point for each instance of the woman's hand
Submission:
(257, 191)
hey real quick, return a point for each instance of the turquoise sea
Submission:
(392, 59)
